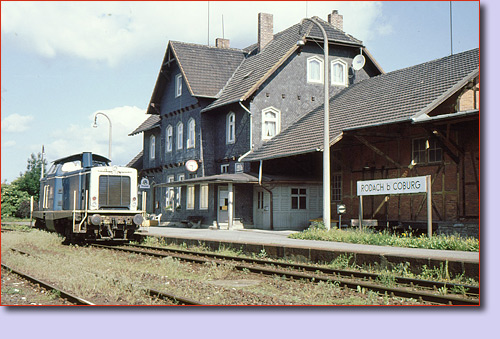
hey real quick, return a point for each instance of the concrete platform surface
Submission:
(279, 238)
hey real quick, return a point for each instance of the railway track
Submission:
(73, 299)
(63, 294)
(424, 290)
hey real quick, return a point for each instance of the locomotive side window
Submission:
(114, 191)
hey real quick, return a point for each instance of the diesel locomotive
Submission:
(83, 198)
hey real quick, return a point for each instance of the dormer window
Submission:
(315, 70)
(178, 85)
(191, 133)
(230, 128)
(339, 73)
(271, 124)
(152, 147)
(180, 135)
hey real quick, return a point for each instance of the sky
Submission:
(62, 62)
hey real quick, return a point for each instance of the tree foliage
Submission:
(16, 196)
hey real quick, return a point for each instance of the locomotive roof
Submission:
(79, 156)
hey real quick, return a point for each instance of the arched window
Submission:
(180, 135)
(315, 69)
(339, 73)
(271, 124)
(152, 147)
(191, 141)
(230, 128)
(169, 138)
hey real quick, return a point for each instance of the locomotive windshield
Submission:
(114, 191)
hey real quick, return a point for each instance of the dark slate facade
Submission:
(222, 87)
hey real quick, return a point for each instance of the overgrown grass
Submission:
(406, 239)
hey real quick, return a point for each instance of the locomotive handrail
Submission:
(86, 210)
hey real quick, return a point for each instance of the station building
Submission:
(234, 136)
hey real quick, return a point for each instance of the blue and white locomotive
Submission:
(83, 198)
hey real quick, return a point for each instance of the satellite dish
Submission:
(358, 62)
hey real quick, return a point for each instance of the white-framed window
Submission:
(169, 138)
(180, 135)
(299, 198)
(315, 70)
(203, 197)
(152, 147)
(180, 177)
(336, 187)
(178, 85)
(271, 123)
(339, 73)
(190, 198)
(426, 151)
(238, 167)
(224, 168)
(230, 128)
(191, 141)
(169, 195)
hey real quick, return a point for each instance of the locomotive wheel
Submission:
(40, 224)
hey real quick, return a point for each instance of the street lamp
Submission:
(326, 128)
(95, 126)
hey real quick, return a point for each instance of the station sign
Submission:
(144, 183)
(392, 186)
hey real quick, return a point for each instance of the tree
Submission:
(16, 196)
(29, 182)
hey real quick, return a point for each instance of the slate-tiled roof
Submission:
(151, 122)
(136, 162)
(206, 69)
(259, 66)
(398, 96)
(333, 33)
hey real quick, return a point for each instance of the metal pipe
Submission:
(110, 128)
(326, 129)
(251, 122)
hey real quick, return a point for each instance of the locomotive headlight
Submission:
(94, 202)
(134, 202)
(138, 219)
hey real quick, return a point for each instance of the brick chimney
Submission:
(265, 30)
(336, 20)
(221, 43)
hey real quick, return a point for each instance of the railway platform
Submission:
(276, 244)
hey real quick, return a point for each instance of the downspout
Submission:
(271, 209)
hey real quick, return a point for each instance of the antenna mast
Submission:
(451, 29)
(208, 25)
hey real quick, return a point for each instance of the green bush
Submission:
(406, 239)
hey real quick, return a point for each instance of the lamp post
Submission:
(95, 126)
(326, 128)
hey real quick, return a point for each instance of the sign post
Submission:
(408, 185)
(340, 210)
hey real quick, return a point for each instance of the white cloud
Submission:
(76, 139)
(9, 143)
(110, 31)
(16, 123)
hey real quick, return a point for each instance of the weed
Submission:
(262, 254)
(459, 290)
(406, 239)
